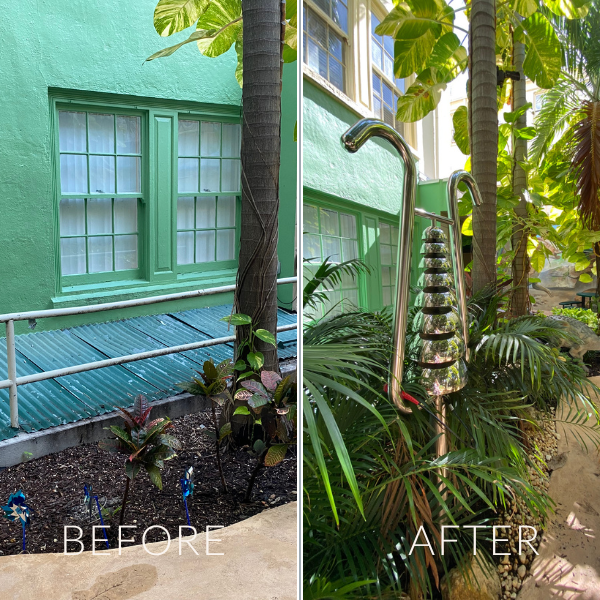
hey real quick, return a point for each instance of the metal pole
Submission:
(453, 181)
(352, 141)
(11, 361)
(441, 444)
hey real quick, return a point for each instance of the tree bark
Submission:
(519, 304)
(256, 293)
(483, 129)
(217, 445)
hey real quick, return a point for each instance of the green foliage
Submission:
(461, 129)
(586, 316)
(147, 443)
(218, 28)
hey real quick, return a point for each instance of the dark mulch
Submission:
(53, 486)
(592, 362)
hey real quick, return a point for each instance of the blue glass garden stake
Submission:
(187, 489)
(101, 521)
(17, 510)
(87, 498)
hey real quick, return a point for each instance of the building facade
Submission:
(120, 179)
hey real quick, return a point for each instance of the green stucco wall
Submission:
(372, 177)
(96, 47)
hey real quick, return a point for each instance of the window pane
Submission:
(387, 296)
(388, 66)
(386, 278)
(128, 174)
(99, 215)
(210, 139)
(388, 96)
(317, 58)
(340, 15)
(350, 248)
(310, 218)
(386, 254)
(187, 173)
(312, 247)
(125, 215)
(73, 174)
(185, 213)
(336, 74)
(332, 249)
(72, 216)
(377, 107)
(388, 44)
(376, 54)
(205, 246)
(388, 115)
(324, 5)
(226, 244)
(101, 129)
(317, 29)
(395, 232)
(72, 256)
(400, 84)
(350, 299)
(126, 255)
(374, 23)
(348, 223)
(231, 175)
(185, 248)
(209, 174)
(188, 135)
(100, 254)
(128, 135)
(205, 213)
(102, 174)
(71, 131)
(336, 46)
(226, 211)
(384, 233)
(329, 222)
(232, 139)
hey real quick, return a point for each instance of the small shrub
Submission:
(585, 315)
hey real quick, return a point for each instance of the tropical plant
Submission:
(271, 402)
(147, 444)
(213, 385)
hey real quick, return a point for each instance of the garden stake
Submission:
(101, 521)
(87, 499)
(442, 346)
(187, 489)
(16, 509)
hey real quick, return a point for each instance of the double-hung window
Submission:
(387, 89)
(100, 191)
(145, 195)
(332, 235)
(388, 254)
(324, 39)
(208, 192)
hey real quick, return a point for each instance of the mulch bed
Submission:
(53, 486)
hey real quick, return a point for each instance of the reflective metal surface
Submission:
(436, 263)
(434, 234)
(353, 140)
(444, 323)
(440, 351)
(434, 248)
(445, 380)
(436, 280)
(435, 300)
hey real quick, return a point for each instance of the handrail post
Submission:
(11, 361)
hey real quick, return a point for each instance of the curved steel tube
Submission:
(353, 140)
(453, 181)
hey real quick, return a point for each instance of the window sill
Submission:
(126, 290)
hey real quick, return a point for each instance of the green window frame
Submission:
(136, 235)
(388, 256)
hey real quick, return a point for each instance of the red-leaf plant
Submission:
(145, 442)
(273, 404)
(213, 385)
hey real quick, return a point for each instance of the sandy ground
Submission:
(258, 562)
(545, 303)
(568, 565)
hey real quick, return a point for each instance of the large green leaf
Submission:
(411, 55)
(421, 97)
(401, 18)
(449, 56)
(291, 12)
(543, 59)
(226, 17)
(154, 473)
(239, 69)
(171, 16)
(290, 49)
(461, 129)
(572, 9)
(197, 35)
(524, 7)
(512, 117)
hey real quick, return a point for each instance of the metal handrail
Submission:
(9, 319)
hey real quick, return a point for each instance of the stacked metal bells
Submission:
(439, 348)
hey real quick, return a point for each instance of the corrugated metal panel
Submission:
(103, 389)
(171, 332)
(287, 340)
(117, 339)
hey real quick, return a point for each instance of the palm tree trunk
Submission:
(256, 293)
(483, 129)
(520, 265)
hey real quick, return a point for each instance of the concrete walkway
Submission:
(568, 565)
(259, 562)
